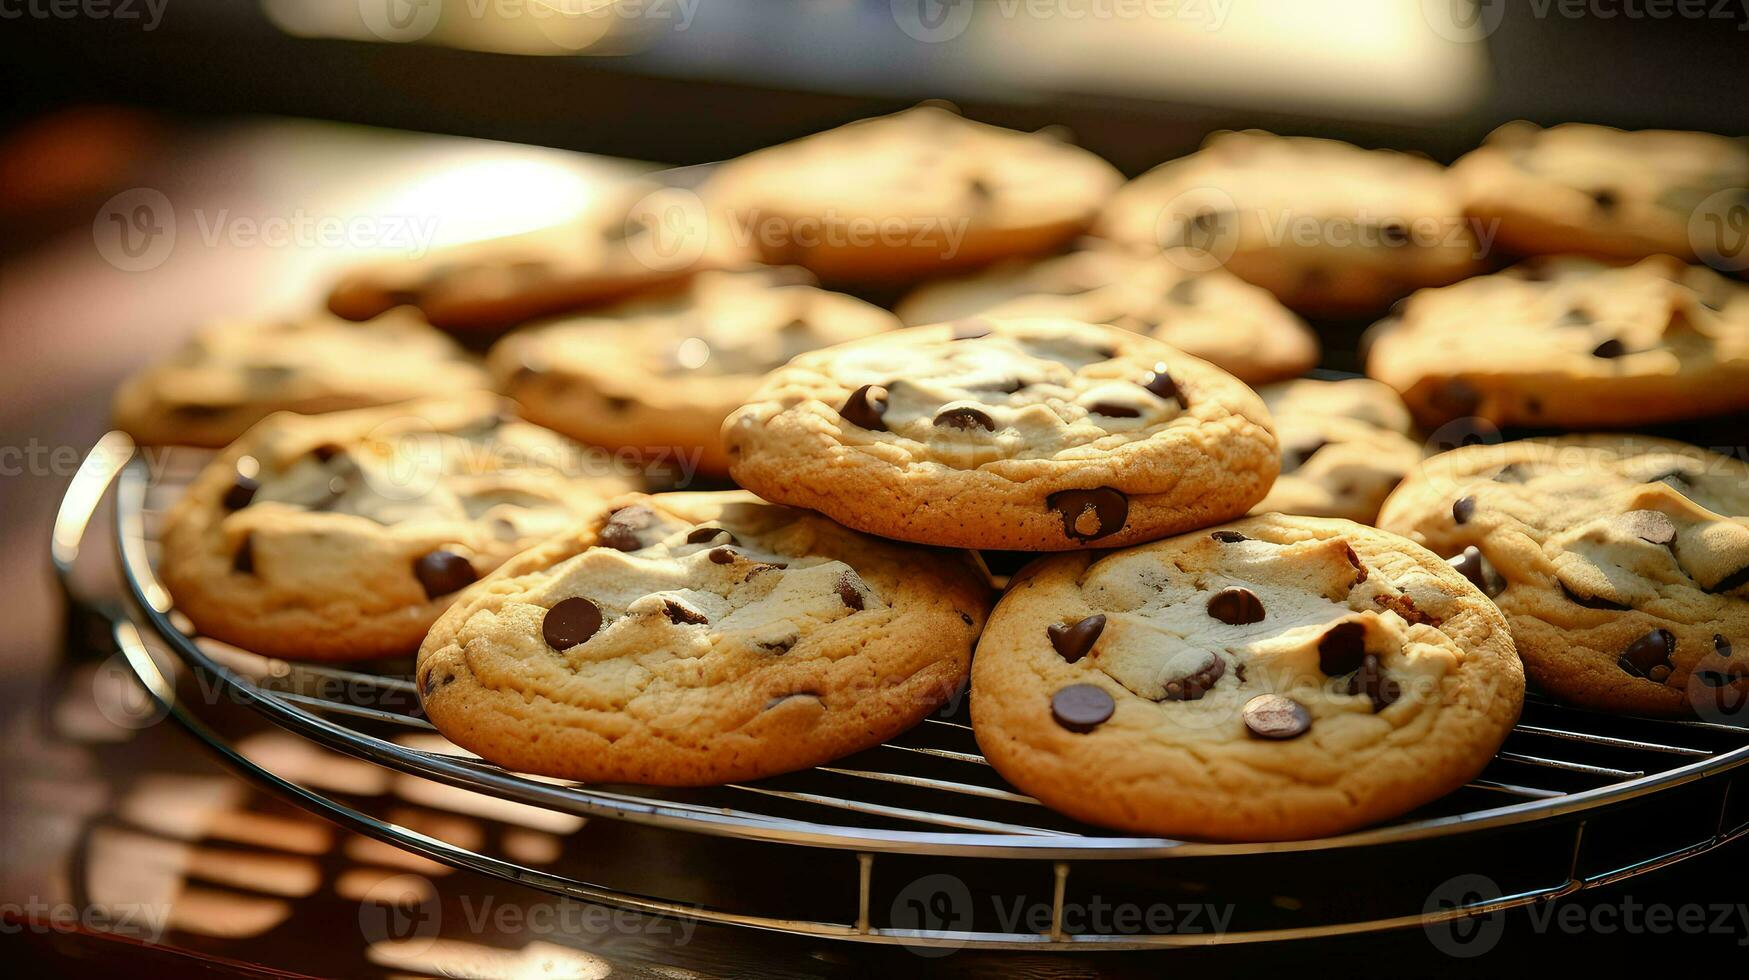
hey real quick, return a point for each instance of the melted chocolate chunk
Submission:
(1342, 649)
(1735, 580)
(1228, 537)
(965, 418)
(1589, 602)
(1090, 514)
(701, 535)
(241, 492)
(1394, 233)
(243, 562)
(1112, 410)
(1605, 199)
(326, 451)
(1463, 509)
(442, 572)
(1236, 606)
(570, 622)
(1646, 655)
(1370, 680)
(621, 532)
(1722, 646)
(1073, 640)
(1475, 567)
(1609, 349)
(848, 593)
(1296, 457)
(680, 614)
(1274, 717)
(1192, 686)
(864, 408)
(1161, 385)
(1082, 707)
(722, 556)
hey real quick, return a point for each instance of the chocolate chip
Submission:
(1192, 686)
(722, 556)
(1650, 526)
(243, 562)
(965, 418)
(980, 190)
(1112, 410)
(1721, 645)
(1082, 707)
(1296, 457)
(570, 622)
(970, 329)
(1354, 559)
(1475, 567)
(1272, 716)
(679, 614)
(1073, 640)
(1370, 680)
(1394, 233)
(1732, 581)
(241, 492)
(1648, 653)
(1108, 509)
(1610, 348)
(1228, 537)
(1589, 602)
(621, 530)
(442, 572)
(1342, 649)
(1161, 385)
(700, 535)
(1455, 399)
(1463, 509)
(1605, 199)
(325, 452)
(1235, 606)
(1184, 291)
(864, 408)
(848, 593)
(965, 618)
(778, 647)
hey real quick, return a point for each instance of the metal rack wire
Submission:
(1563, 806)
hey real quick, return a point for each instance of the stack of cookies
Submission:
(1197, 630)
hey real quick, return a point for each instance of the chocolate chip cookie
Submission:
(234, 373)
(658, 376)
(1271, 679)
(342, 536)
(1345, 446)
(1330, 228)
(1237, 327)
(1029, 435)
(693, 639)
(616, 248)
(1571, 342)
(919, 193)
(1584, 188)
(1622, 562)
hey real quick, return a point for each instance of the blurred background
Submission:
(166, 161)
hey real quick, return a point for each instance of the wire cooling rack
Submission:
(919, 841)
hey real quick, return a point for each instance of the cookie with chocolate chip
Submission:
(1622, 562)
(630, 240)
(658, 376)
(1271, 679)
(919, 193)
(1029, 435)
(1345, 445)
(342, 536)
(1329, 228)
(1214, 315)
(1571, 342)
(1603, 191)
(234, 373)
(690, 639)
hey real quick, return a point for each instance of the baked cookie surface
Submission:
(661, 374)
(342, 536)
(693, 639)
(1275, 678)
(1031, 435)
(1571, 342)
(1622, 562)
(1237, 327)
(1345, 445)
(630, 241)
(234, 373)
(921, 192)
(1328, 227)
(1583, 188)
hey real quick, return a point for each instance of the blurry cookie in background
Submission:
(234, 373)
(1571, 342)
(1329, 228)
(919, 193)
(1621, 562)
(637, 237)
(661, 374)
(1345, 445)
(343, 536)
(1213, 315)
(1595, 189)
